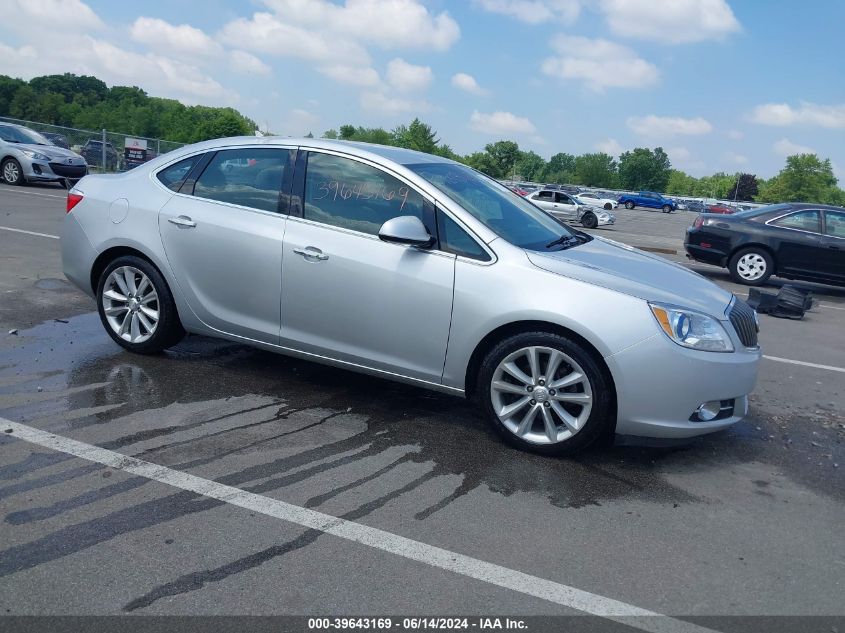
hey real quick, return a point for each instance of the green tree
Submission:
(530, 166)
(745, 188)
(483, 162)
(417, 136)
(559, 169)
(642, 168)
(681, 183)
(596, 170)
(504, 155)
(332, 134)
(805, 178)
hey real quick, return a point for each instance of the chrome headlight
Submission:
(692, 329)
(33, 154)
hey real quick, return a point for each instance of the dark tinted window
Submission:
(835, 223)
(803, 221)
(562, 198)
(345, 193)
(453, 239)
(548, 196)
(512, 217)
(172, 177)
(248, 177)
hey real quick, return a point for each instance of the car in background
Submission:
(649, 200)
(415, 268)
(795, 241)
(27, 156)
(564, 206)
(92, 151)
(720, 208)
(59, 140)
(592, 199)
(518, 190)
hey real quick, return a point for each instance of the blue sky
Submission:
(722, 85)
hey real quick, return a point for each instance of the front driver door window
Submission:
(352, 297)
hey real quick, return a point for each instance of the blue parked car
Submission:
(649, 199)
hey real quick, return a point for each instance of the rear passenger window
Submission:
(453, 239)
(246, 177)
(803, 221)
(172, 177)
(345, 193)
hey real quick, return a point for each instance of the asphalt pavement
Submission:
(263, 454)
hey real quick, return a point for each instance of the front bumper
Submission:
(660, 384)
(606, 220)
(51, 171)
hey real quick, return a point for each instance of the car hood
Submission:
(633, 272)
(50, 151)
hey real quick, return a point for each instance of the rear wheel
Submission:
(544, 393)
(12, 172)
(608, 206)
(136, 306)
(751, 266)
(629, 205)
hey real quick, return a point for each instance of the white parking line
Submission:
(33, 193)
(372, 537)
(801, 362)
(9, 228)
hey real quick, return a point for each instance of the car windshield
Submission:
(508, 215)
(22, 135)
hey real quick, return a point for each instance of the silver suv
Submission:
(415, 268)
(27, 156)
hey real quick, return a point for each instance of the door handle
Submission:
(182, 220)
(311, 252)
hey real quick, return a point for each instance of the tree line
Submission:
(86, 102)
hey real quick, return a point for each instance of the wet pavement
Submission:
(747, 521)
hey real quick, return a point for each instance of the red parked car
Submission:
(721, 209)
(521, 192)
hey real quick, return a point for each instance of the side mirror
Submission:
(406, 229)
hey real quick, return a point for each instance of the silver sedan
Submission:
(414, 268)
(27, 156)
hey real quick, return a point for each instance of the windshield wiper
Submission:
(565, 241)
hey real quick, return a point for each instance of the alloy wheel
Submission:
(11, 172)
(541, 395)
(131, 304)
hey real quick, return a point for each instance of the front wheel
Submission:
(667, 208)
(629, 205)
(751, 266)
(545, 393)
(136, 306)
(589, 221)
(608, 206)
(12, 172)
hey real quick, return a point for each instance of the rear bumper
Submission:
(78, 255)
(710, 254)
(660, 384)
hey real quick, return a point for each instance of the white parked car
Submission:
(566, 207)
(593, 199)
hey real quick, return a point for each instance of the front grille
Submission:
(743, 319)
(68, 171)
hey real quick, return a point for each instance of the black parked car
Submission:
(92, 151)
(795, 240)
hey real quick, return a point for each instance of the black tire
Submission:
(608, 206)
(13, 167)
(589, 220)
(168, 331)
(629, 205)
(599, 420)
(754, 252)
(667, 208)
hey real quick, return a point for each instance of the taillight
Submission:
(699, 222)
(73, 199)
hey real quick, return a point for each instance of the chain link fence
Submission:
(104, 151)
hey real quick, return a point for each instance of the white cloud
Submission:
(406, 77)
(735, 134)
(678, 154)
(784, 115)
(500, 123)
(670, 21)
(379, 102)
(534, 11)
(68, 16)
(266, 33)
(735, 158)
(386, 23)
(354, 75)
(467, 83)
(662, 126)
(600, 63)
(299, 122)
(785, 147)
(243, 62)
(183, 39)
(609, 146)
